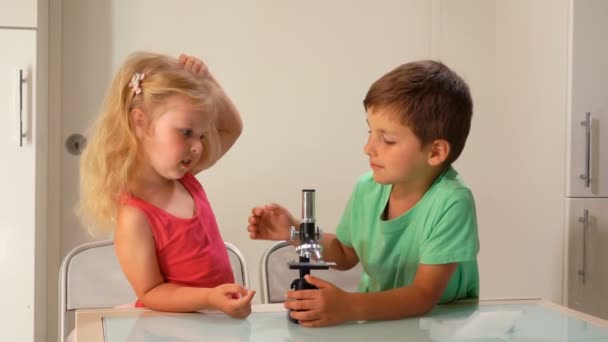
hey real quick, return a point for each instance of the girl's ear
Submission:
(440, 150)
(139, 120)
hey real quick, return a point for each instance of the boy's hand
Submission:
(318, 308)
(193, 64)
(232, 299)
(270, 222)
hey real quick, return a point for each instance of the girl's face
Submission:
(396, 155)
(173, 143)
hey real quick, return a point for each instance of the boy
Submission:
(411, 221)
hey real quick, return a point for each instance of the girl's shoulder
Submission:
(131, 201)
(131, 217)
(192, 184)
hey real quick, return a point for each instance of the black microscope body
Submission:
(309, 247)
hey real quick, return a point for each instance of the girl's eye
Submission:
(203, 137)
(187, 132)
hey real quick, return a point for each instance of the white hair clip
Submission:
(135, 80)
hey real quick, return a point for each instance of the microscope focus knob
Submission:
(293, 233)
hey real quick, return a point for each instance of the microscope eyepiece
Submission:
(308, 206)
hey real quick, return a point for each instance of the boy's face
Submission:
(396, 155)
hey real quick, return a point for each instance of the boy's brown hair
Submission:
(428, 97)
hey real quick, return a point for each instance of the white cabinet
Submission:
(587, 220)
(587, 171)
(18, 184)
(588, 129)
(18, 13)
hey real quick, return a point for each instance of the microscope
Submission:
(309, 247)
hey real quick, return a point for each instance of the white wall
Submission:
(514, 55)
(299, 70)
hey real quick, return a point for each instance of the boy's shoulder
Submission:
(366, 178)
(448, 181)
(366, 187)
(449, 187)
(366, 182)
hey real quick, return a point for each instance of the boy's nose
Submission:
(368, 148)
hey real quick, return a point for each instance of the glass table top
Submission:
(457, 322)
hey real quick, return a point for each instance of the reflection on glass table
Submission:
(528, 320)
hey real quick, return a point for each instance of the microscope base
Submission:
(299, 284)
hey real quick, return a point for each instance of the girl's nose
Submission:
(197, 147)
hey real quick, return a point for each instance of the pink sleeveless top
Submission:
(190, 252)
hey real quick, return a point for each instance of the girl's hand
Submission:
(232, 299)
(270, 222)
(193, 64)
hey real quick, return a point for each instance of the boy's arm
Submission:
(136, 254)
(415, 300)
(333, 250)
(273, 222)
(330, 306)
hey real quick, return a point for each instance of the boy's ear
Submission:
(439, 152)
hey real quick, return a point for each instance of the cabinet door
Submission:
(17, 181)
(589, 133)
(22, 13)
(587, 221)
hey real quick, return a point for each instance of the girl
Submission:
(164, 121)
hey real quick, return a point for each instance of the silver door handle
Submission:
(582, 272)
(587, 124)
(21, 82)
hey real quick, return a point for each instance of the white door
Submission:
(22, 13)
(588, 132)
(587, 221)
(17, 181)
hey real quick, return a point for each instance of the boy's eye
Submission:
(387, 140)
(187, 132)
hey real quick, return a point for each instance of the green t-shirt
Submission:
(440, 229)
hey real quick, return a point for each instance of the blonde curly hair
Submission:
(109, 160)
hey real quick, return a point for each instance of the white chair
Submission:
(91, 277)
(239, 265)
(277, 277)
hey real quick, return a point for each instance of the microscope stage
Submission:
(310, 265)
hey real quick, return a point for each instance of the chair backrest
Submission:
(91, 277)
(239, 265)
(277, 277)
